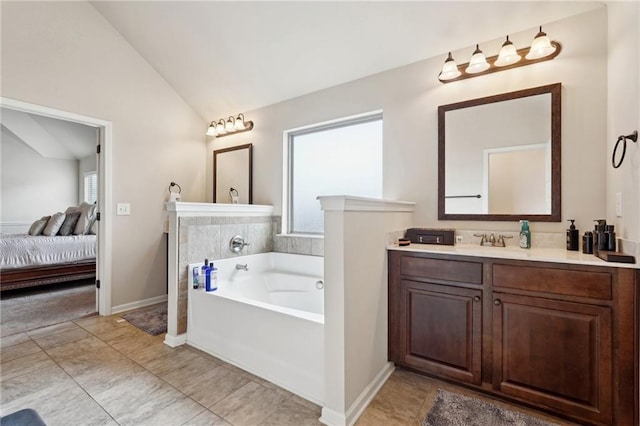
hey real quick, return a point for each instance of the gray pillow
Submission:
(69, 224)
(87, 211)
(54, 224)
(37, 226)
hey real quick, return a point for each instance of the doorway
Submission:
(103, 167)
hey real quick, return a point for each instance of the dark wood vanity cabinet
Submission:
(559, 337)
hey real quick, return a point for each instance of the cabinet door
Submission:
(441, 328)
(553, 353)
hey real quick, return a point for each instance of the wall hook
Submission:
(633, 137)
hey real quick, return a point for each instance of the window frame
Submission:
(85, 176)
(287, 172)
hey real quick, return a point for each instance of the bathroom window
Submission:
(341, 157)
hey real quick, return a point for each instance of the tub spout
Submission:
(240, 267)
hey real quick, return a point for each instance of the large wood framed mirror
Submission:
(233, 175)
(499, 157)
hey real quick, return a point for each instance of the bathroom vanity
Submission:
(554, 330)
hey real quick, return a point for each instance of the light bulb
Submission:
(211, 131)
(508, 54)
(229, 127)
(239, 125)
(540, 47)
(449, 69)
(478, 62)
(220, 128)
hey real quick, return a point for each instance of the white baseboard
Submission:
(175, 341)
(335, 418)
(138, 304)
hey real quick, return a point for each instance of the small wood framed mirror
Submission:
(233, 175)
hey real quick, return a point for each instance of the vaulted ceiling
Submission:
(229, 57)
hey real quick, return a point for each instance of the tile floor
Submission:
(104, 371)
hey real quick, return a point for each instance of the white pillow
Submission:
(54, 224)
(37, 226)
(93, 229)
(87, 211)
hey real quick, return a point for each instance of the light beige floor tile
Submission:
(14, 339)
(101, 325)
(24, 365)
(128, 340)
(175, 360)
(78, 347)
(105, 361)
(207, 418)
(212, 386)
(52, 340)
(132, 401)
(175, 413)
(62, 404)
(249, 405)
(52, 329)
(115, 371)
(291, 413)
(16, 351)
(186, 368)
(32, 382)
(148, 354)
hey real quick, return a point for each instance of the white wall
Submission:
(65, 55)
(34, 186)
(623, 116)
(409, 97)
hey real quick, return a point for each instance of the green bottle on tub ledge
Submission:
(525, 235)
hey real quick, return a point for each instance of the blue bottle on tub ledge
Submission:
(525, 235)
(211, 282)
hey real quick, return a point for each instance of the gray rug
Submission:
(152, 320)
(450, 409)
(30, 309)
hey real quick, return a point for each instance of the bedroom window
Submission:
(342, 157)
(91, 187)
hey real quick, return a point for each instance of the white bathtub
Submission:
(268, 320)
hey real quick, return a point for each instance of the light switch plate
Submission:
(123, 209)
(619, 204)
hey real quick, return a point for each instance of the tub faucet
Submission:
(240, 267)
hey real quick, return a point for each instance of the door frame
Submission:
(104, 259)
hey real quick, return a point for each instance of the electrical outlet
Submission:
(619, 204)
(459, 239)
(123, 209)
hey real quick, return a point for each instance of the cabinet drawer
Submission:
(447, 270)
(591, 284)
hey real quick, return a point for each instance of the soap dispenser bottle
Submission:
(572, 236)
(599, 236)
(525, 235)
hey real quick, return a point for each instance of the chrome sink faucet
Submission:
(491, 241)
(240, 267)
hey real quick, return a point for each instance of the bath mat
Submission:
(451, 409)
(151, 320)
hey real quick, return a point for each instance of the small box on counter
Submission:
(431, 236)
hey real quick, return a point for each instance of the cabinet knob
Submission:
(476, 299)
(497, 302)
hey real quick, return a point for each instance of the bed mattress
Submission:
(20, 250)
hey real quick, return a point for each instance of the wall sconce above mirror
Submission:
(499, 157)
(229, 126)
(541, 49)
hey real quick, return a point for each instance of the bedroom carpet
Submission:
(452, 409)
(29, 309)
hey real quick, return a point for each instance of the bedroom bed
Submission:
(29, 261)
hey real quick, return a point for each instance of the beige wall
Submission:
(66, 56)
(623, 116)
(409, 97)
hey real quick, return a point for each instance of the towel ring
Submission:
(172, 184)
(633, 137)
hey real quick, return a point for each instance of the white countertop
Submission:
(516, 253)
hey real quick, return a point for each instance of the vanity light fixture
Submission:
(229, 126)
(541, 49)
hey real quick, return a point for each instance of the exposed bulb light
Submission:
(229, 126)
(239, 124)
(540, 47)
(211, 131)
(449, 69)
(478, 62)
(508, 54)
